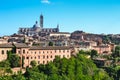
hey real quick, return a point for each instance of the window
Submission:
(63, 51)
(23, 51)
(47, 57)
(51, 56)
(2, 51)
(35, 52)
(39, 52)
(38, 57)
(43, 51)
(19, 52)
(47, 61)
(38, 62)
(27, 57)
(31, 57)
(63, 55)
(7, 51)
(35, 57)
(47, 51)
(43, 62)
(43, 56)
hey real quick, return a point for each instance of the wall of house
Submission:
(41, 56)
(3, 53)
(102, 49)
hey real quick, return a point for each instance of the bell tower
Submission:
(41, 21)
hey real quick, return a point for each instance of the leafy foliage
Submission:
(33, 63)
(50, 43)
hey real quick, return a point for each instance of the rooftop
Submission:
(6, 46)
(21, 45)
(48, 48)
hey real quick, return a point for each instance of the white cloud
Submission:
(45, 1)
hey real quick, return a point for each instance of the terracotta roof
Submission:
(21, 45)
(6, 45)
(48, 48)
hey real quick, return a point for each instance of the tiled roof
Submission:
(48, 48)
(7, 45)
(60, 33)
(21, 45)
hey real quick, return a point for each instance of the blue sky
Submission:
(92, 16)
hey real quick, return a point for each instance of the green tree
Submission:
(5, 64)
(50, 44)
(116, 52)
(33, 63)
(14, 60)
(93, 54)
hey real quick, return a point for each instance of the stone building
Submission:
(38, 29)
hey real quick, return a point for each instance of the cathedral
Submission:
(37, 29)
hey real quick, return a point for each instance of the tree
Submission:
(116, 52)
(14, 60)
(33, 63)
(50, 44)
(93, 53)
(5, 64)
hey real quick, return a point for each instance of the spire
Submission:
(41, 21)
(57, 27)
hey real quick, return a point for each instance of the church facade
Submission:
(37, 29)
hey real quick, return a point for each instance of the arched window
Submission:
(51, 56)
(43, 62)
(2, 51)
(43, 56)
(47, 57)
(23, 51)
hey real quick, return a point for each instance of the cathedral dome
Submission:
(36, 25)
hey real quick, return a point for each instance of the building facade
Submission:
(38, 29)
(4, 48)
(42, 55)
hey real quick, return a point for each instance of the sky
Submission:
(91, 16)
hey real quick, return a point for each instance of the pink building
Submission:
(102, 49)
(42, 55)
(4, 48)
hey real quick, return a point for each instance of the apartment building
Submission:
(42, 55)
